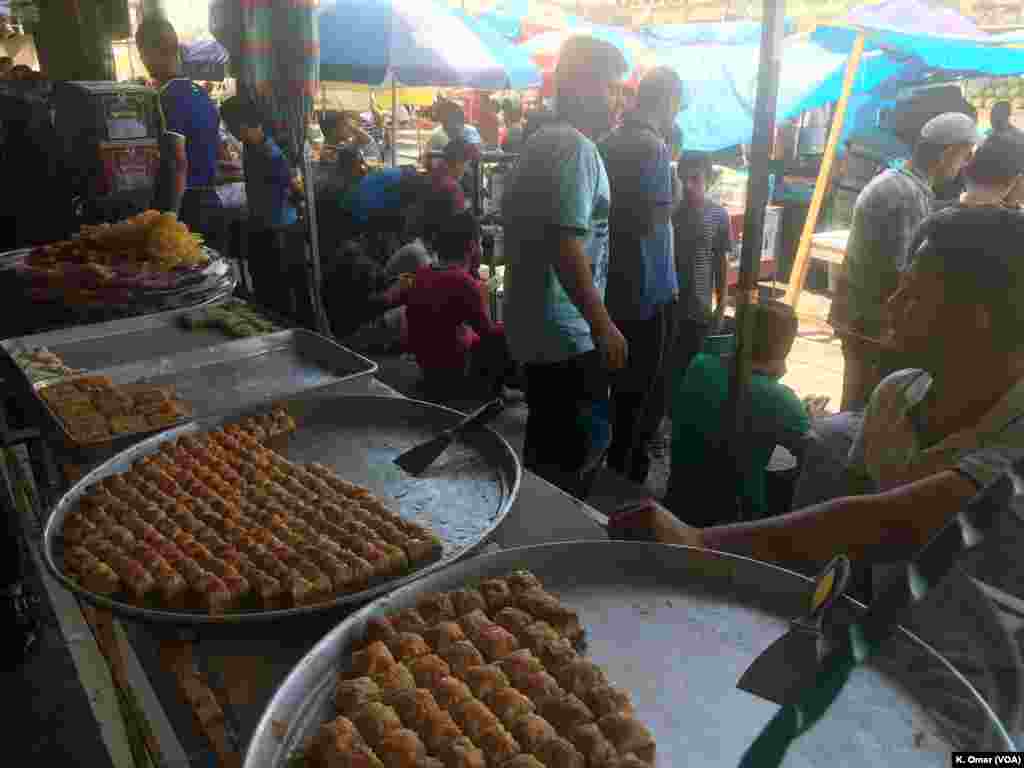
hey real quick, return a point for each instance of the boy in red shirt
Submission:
(450, 329)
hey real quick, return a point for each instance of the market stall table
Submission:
(244, 667)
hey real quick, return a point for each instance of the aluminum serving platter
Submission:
(463, 497)
(238, 374)
(676, 627)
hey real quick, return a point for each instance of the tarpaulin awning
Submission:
(720, 86)
(669, 36)
(940, 40)
(521, 19)
(545, 47)
(419, 43)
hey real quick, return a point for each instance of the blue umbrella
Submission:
(417, 42)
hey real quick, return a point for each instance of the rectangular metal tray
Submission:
(239, 374)
(104, 345)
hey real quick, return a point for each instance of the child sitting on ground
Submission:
(269, 182)
(700, 431)
(450, 331)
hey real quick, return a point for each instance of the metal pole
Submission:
(394, 122)
(802, 260)
(758, 191)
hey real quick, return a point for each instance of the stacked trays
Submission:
(481, 676)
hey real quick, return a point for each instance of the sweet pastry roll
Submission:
(565, 712)
(336, 743)
(462, 753)
(410, 620)
(580, 677)
(539, 634)
(531, 731)
(630, 760)
(628, 735)
(522, 581)
(394, 678)
(380, 628)
(440, 731)
(485, 680)
(509, 705)
(93, 574)
(540, 685)
(498, 744)
(466, 601)
(428, 670)
(375, 721)
(514, 619)
(523, 761)
(408, 645)
(519, 665)
(474, 717)
(592, 744)
(450, 691)
(474, 621)
(415, 707)
(497, 593)
(461, 657)
(362, 571)
(608, 700)
(496, 642)
(559, 753)
(443, 635)
(557, 654)
(372, 659)
(401, 748)
(436, 607)
(546, 606)
(350, 696)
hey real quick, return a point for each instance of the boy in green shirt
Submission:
(700, 396)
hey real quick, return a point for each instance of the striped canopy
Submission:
(275, 53)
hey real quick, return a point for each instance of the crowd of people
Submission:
(615, 294)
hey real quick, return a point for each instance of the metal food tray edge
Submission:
(262, 345)
(150, 445)
(93, 331)
(303, 691)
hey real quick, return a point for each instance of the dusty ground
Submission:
(815, 368)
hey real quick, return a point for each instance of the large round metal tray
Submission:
(463, 497)
(676, 627)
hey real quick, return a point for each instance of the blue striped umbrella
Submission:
(419, 43)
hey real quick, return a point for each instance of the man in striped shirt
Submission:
(703, 242)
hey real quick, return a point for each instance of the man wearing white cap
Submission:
(885, 217)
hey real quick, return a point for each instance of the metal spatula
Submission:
(852, 645)
(416, 460)
(790, 663)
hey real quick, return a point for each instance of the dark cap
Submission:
(998, 160)
(950, 128)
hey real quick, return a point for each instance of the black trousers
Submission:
(567, 428)
(639, 394)
(202, 212)
(281, 282)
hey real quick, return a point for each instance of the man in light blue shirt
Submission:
(556, 208)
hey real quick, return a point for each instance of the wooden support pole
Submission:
(803, 251)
